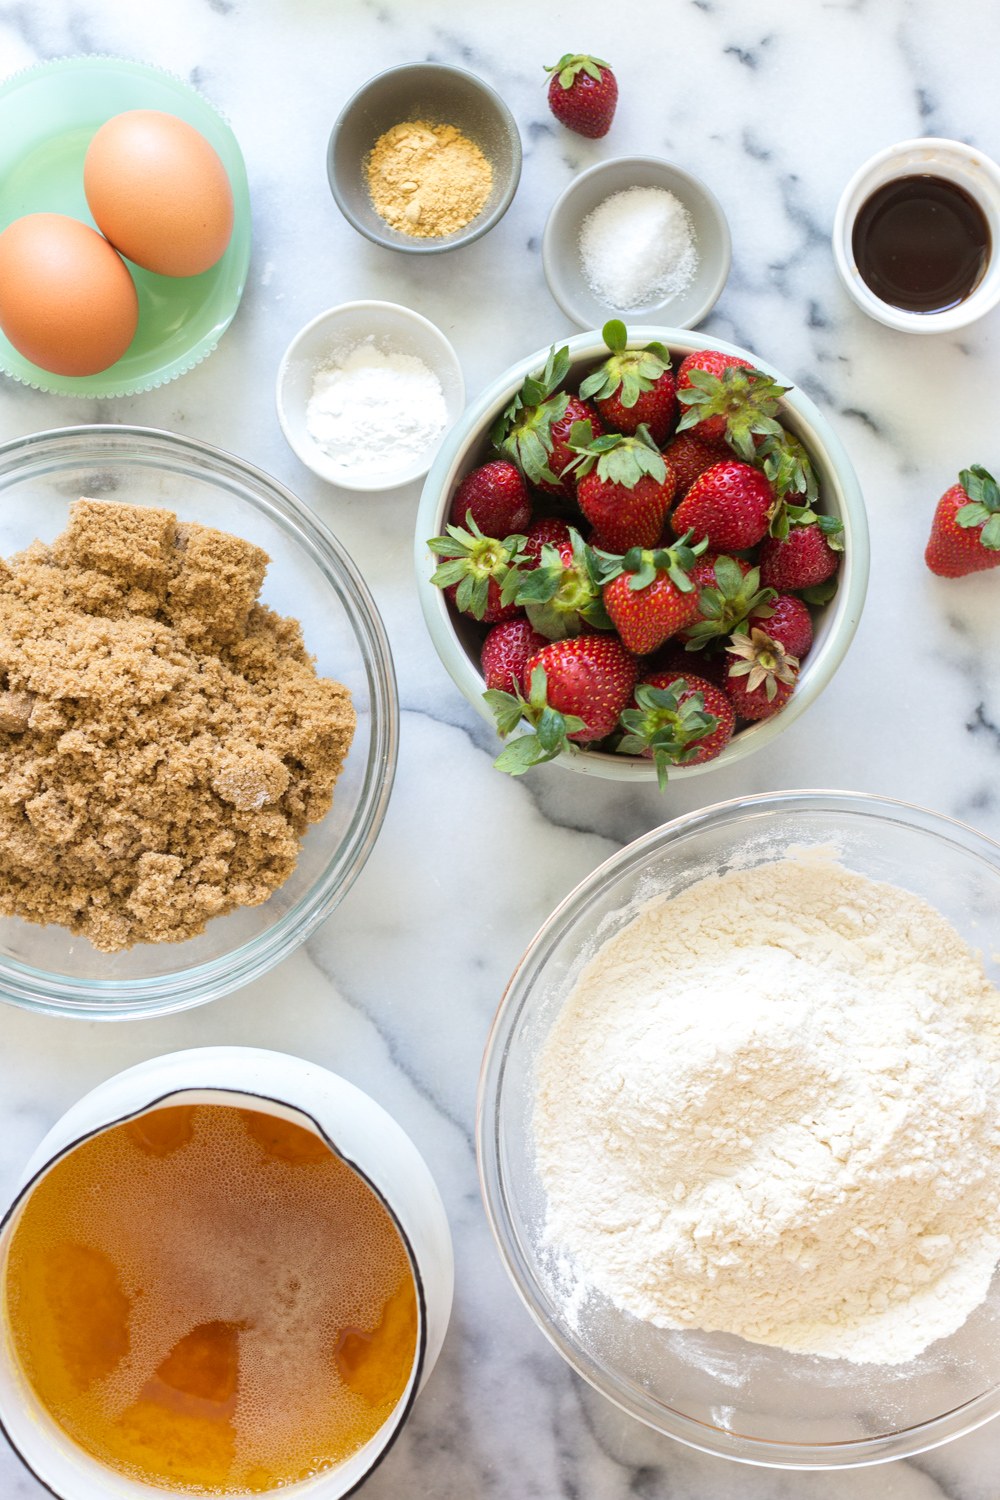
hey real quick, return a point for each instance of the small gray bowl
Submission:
(561, 248)
(441, 96)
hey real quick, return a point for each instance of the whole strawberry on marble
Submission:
(583, 93)
(965, 533)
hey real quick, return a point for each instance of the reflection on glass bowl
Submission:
(715, 1391)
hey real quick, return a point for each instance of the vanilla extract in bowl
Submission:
(921, 243)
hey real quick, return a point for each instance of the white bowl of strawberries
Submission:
(641, 555)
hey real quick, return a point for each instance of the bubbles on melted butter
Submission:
(209, 1297)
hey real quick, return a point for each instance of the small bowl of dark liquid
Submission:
(915, 236)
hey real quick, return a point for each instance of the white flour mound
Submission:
(375, 412)
(771, 1107)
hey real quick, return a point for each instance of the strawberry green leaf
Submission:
(615, 335)
(449, 573)
(538, 690)
(551, 729)
(980, 486)
(820, 593)
(990, 534)
(728, 575)
(568, 66)
(974, 514)
(507, 709)
(521, 754)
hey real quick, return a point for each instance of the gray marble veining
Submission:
(775, 105)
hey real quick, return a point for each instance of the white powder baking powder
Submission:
(374, 412)
(771, 1106)
(638, 247)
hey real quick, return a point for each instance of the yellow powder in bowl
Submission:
(428, 180)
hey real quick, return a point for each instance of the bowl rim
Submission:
(559, 212)
(69, 385)
(846, 606)
(762, 1453)
(982, 298)
(55, 994)
(478, 226)
(376, 483)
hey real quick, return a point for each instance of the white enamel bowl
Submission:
(360, 1132)
(458, 640)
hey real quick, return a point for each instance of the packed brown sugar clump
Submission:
(164, 738)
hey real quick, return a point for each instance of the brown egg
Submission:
(67, 301)
(159, 192)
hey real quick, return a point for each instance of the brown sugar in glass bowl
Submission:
(164, 739)
(309, 578)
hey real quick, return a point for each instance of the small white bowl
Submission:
(395, 330)
(561, 242)
(955, 162)
(362, 1134)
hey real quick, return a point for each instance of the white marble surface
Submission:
(774, 104)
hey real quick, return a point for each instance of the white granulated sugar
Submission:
(374, 412)
(638, 248)
(771, 1107)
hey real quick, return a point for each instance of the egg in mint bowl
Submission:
(558, 407)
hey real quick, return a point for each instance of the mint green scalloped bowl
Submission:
(48, 116)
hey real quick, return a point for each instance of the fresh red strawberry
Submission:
(672, 657)
(677, 719)
(965, 533)
(786, 620)
(563, 454)
(533, 430)
(728, 589)
(806, 558)
(625, 488)
(583, 93)
(763, 676)
(730, 504)
(478, 572)
(601, 544)
(506, 652)
(727, 398)
(548, 532)
(561, 591)
(577, 689)
(649, 596)
(634, 386)
(498, 498)
(689, 457)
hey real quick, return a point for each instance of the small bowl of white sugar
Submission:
(366, 394)
(636, 235)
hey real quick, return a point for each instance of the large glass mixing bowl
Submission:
(716, 1391)
(311, 577)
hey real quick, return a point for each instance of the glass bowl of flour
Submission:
(739, 1129)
